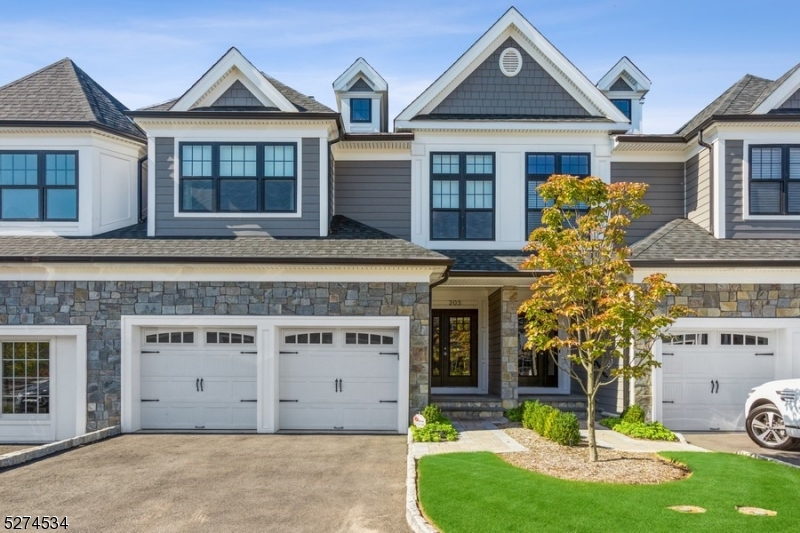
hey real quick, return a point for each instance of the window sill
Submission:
(238, 215)
(771, 217)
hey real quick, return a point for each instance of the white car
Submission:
(773, 414)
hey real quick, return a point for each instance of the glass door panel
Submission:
(454, 350)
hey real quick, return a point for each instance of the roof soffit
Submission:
(225, 72)
(513, 24)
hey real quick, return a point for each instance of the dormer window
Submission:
(360, 110)
(239, 177)
(623, 104)
(39, 186)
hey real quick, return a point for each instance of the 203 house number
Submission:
(35, 522)
(455, 303)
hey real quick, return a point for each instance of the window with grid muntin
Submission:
(462, 196)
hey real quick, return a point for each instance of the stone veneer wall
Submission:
(99, 306)
(509, 352)
(741, 300)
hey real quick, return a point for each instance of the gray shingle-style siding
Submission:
(237, 95)
(620, 85)
(698, 189)
(376, 193)
(532, 92)
(664, 194)
(495, 341)
(736, 226)
(361, 86)
(100, 305)
(793, 102)
(167, 224)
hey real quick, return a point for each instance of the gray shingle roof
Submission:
(350, 242)
(683, 243)
(737, 100)
(303, 103)
(62, 92)
(486, 261)
(771, 89)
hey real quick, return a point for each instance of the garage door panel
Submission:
(229, 416)
(312, 376)
(229, 365)
(705, 386)
(169, 364)
(170, 416)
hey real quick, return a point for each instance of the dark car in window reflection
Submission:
(34, 398)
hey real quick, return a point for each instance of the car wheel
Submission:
(766, 428)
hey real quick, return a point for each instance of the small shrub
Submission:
(564, 429)
(639, 430)
(514, 414)
(634, 414)
(543, 413)
(434, 432)
(433, 414)
(528, 409)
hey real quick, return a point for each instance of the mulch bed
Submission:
(572, 462)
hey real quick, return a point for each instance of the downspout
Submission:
(711, 187)
(443, 279)
(139, 180)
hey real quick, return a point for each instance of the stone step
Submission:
(474, 413)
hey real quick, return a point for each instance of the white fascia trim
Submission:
(233, 58)
(151, 186)
(625, 65)
(718, 181)
(780, 95)
(222, 272)
(508, 126)
(360, 66)
(537, 46)
(720, 275)
(176, 195)
(490, 282)
(79, 334)
(223, 84)
(324, 160)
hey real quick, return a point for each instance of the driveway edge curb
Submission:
(766, 458)
(414, 517)
(31, 454)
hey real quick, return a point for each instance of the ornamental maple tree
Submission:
(607, 324)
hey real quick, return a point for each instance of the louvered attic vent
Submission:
(510, 62)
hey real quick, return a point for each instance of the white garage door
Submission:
(338, 380)
(706, 377)
(198, 379)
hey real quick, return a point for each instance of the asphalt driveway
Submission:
(166, 483)
(735, 441)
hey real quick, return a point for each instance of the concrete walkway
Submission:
(473, 436)
(607, 438)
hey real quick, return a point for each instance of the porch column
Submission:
(509, 353)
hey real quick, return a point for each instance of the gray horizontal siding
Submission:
(736, 226)
(665, 194)
(376, 193)
(169, 225)
(698, 190)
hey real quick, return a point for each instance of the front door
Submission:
(454, 353)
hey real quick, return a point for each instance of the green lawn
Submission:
(479, 492)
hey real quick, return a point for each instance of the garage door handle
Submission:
(149, 400)
(289, 401)
(717, 382)
(712, 386)
(248, 401)
(387, 401)
(668, 401)
(197, 384)
(201, 384)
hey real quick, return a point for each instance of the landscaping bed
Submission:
(571, 462)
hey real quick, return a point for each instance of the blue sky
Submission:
(145, 52)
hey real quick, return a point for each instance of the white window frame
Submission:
(789, 138)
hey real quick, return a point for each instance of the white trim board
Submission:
(267, 346)
(231, 61)
(719, 275)
(219, 272)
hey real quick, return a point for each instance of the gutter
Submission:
(70, 124)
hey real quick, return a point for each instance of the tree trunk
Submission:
(590, 415)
